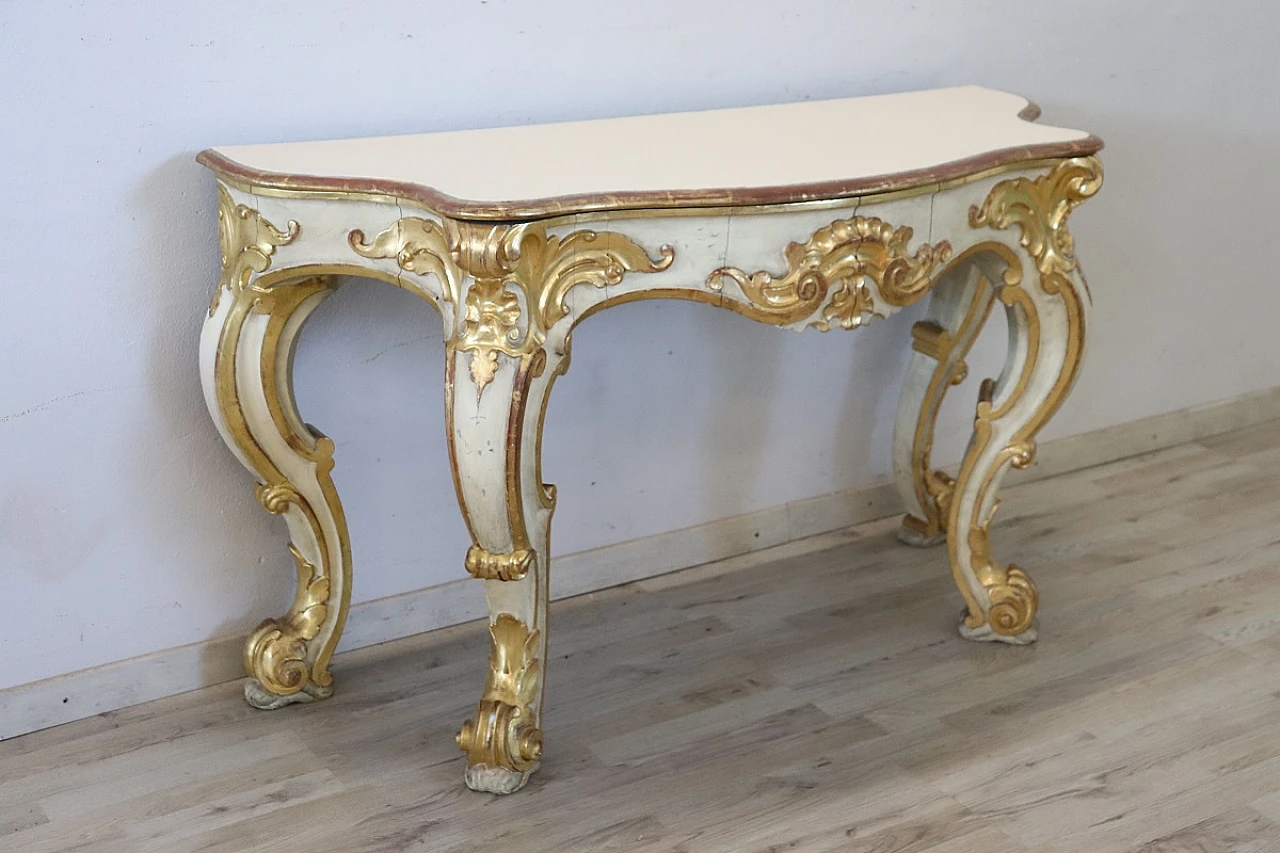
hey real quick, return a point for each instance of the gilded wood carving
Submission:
(1040, 208)
(246, 241)
(847, 259)
(504, 730)
(519, 277)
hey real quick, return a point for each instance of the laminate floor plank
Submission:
(813, 697)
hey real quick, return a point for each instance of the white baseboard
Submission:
(41, 704)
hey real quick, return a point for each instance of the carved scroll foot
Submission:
(1011, 604)
(501, 739)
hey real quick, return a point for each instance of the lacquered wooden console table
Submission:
(816, 214)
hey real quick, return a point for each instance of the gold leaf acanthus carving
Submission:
(504, 731)
(846, 259)
(1041, 207)
(246, 241)
(520, 276)
(418, 245)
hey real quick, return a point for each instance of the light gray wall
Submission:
(126, 527)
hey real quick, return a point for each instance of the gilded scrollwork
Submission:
(1013, 598)
(934, 488)
(594, 258)
(286, 658)
(504, 732)
(850, 257)
(418, 245)
(1041, 207)
(519, 275)
(276, 653)
(247, 241)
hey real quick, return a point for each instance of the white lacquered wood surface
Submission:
(840, 143)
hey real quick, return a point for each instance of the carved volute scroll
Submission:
(247, 241)
(504, 731)
(1040, 207)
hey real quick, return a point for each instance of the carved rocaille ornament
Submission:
(519, 277)
(247, 241)
(1040, 207)
(504, 731)
(845, 260)
(278, 655)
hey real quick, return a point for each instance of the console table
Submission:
(818, 214)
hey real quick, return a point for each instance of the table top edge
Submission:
(253, 179)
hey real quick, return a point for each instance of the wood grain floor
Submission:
(815, 697)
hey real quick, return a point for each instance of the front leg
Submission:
(508, 330)
(494, 407)
(1047, 304)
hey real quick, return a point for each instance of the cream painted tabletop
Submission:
(749, 155)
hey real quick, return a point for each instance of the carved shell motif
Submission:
(846, 259)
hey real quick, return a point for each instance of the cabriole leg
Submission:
(1047, 303)
(494, 407)
(958, 309)
(505, 294)
(245, 362)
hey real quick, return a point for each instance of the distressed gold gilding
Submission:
(498, 567)
(247, 241)
(519, 275)
(490, 321)
(418, 245)
(509, 284)
(1040, 208)
(504, 729)
(529, 368)
(848, 255)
